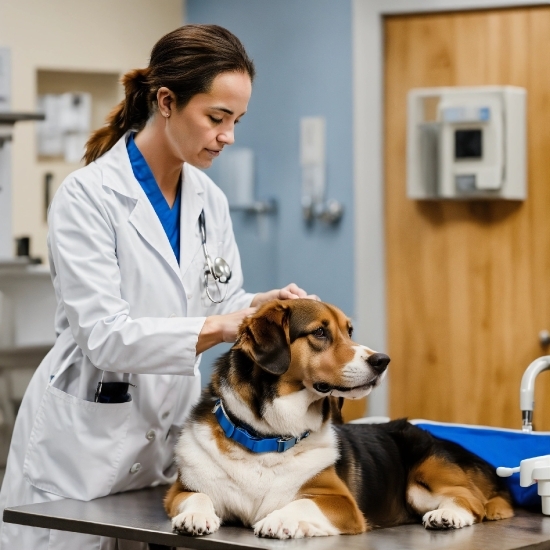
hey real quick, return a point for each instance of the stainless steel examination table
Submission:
(139, 515)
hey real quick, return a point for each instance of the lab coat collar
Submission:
(119, 176)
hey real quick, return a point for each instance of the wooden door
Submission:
(468, 283)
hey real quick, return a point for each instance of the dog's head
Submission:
(308, 345)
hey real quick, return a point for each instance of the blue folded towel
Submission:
(499, 447)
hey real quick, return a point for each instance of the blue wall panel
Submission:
(303, 55)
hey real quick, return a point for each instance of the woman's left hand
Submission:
(289, 292)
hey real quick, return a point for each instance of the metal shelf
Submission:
(258, 207)
(9, 117)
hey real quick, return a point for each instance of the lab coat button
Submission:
(165, 415)
(150, 435)
(172, 315)
(135, 468)
(189, 296)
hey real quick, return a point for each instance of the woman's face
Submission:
(197, 133)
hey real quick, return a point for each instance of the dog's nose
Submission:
(379, 362)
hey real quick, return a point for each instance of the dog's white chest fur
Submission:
(247, 486)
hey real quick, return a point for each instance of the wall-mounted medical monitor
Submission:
(466, 143)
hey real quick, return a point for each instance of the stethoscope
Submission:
(219, 269)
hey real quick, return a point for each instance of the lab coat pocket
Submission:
(75, 446)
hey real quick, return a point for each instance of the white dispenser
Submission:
(533, 470)
(466, 143)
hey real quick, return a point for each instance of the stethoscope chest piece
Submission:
(221, 270)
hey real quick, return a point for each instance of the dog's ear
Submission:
(264, 337)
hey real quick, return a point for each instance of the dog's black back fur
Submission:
(377, 459)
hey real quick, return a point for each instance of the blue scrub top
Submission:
(169, 217)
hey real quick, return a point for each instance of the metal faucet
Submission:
(527, 391)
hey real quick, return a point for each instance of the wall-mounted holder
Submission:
(329, 212)
(467, 143)
(313, 163)
(235, 174)
(257, 207)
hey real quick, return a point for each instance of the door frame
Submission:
(368, 146)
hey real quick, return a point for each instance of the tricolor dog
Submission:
(263, 446)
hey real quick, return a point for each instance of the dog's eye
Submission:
(319, 333)
(350, 331)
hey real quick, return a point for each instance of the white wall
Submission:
(85, 35)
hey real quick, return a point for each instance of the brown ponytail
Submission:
(131, 112)
(186, 61)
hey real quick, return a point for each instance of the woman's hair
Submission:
(185, 61)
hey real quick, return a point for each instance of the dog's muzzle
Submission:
(378, 362)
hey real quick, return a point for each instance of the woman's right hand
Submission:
(221, 328)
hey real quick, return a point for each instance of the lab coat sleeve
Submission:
(237, 298)
(83, 249)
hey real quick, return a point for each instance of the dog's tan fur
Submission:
(468, 489)
(336, 502)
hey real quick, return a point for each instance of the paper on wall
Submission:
(66, 128)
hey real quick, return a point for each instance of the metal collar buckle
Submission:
(285, 443)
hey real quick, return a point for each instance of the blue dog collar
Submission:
(251, 442)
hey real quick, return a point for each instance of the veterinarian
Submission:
(133, 237)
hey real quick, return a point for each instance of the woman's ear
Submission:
(166, 101)
(264, 337)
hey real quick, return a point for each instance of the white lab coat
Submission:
(124, 306)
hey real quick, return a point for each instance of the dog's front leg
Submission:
(192, 513)
(323, 506)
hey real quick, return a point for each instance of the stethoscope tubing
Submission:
(209, 267)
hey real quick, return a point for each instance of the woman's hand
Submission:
(289, 292)
(221, 328)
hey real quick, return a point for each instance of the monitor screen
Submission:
(468, 144)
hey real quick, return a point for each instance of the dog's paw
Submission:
(447, 518)
(279, 525)
(195, 523)
(498, 508)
